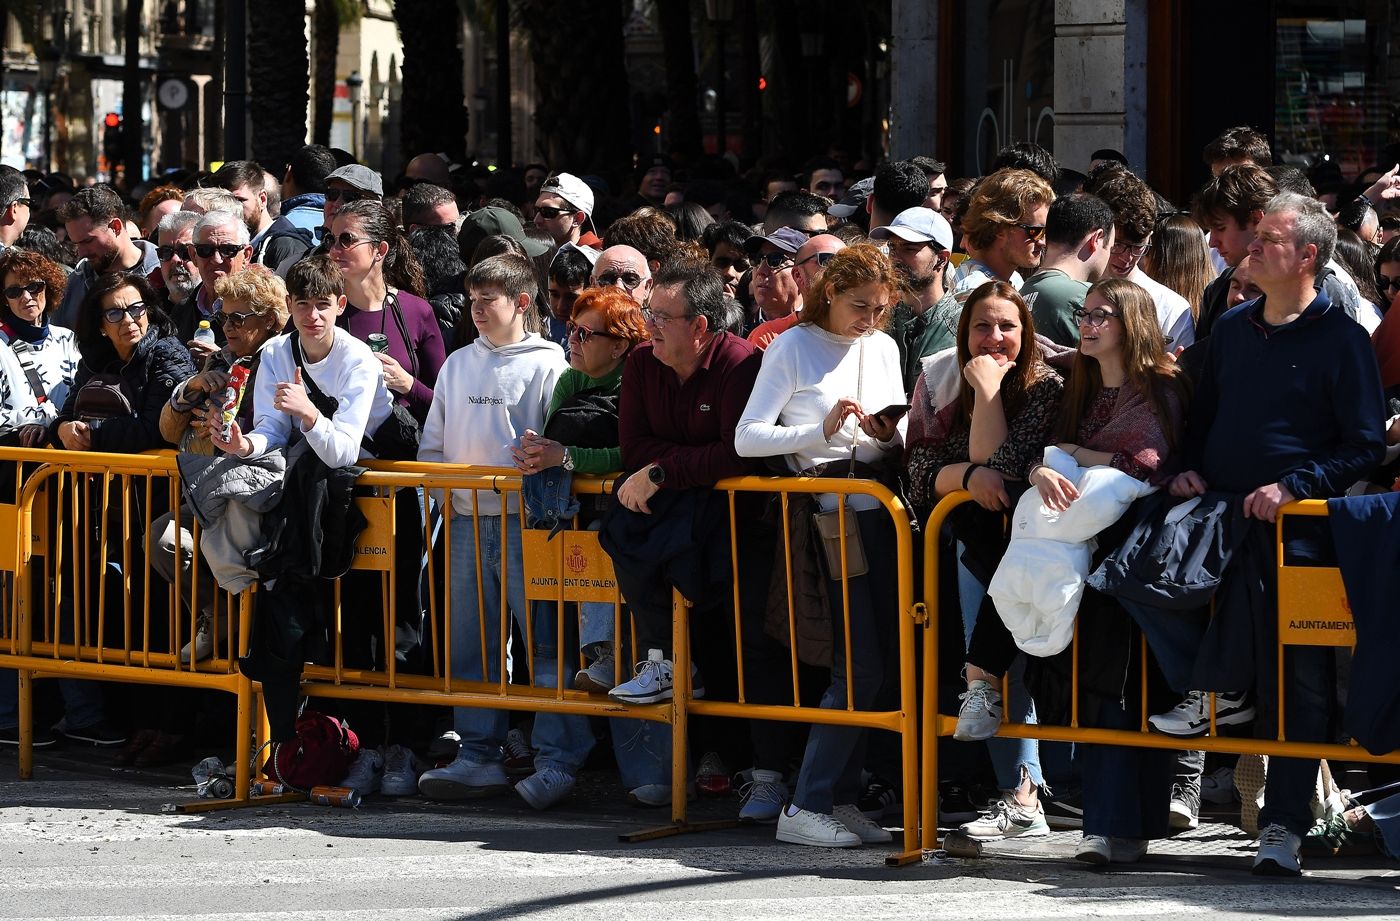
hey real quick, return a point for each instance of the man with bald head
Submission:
(926, 319)
(809, 260)
(624, 267)
(429, 167)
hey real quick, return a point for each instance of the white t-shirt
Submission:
(1173, 312)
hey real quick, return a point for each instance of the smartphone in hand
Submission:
(894, 412)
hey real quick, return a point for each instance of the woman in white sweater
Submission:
(829, 400)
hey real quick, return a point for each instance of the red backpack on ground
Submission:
(322, 753)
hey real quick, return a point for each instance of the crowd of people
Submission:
(1069, 348)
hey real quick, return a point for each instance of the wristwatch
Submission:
(568, 462)
(656, 474)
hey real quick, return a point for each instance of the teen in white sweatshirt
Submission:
(486, 396)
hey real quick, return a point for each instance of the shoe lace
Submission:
(978, 698)
(1273, 836)
(516, 746)
(762, 791)
(397, 760)
(204, 622)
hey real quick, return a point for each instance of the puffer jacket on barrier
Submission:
(1040, 579)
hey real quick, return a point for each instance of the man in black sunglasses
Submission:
(14, 215)
(564, 208)
(220, 248)
(775, 291)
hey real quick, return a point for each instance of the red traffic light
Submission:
(113, 120)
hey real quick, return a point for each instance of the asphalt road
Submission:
(86, 841)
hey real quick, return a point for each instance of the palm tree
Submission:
(434, 112)
(278, 80)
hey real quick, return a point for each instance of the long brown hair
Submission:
(1029, 366)
(1146, 365)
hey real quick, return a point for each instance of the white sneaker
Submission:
(366, 772)
(400, 772)
(1100, 850)
(1007, 818)
(1185, 807)
(763, 797)
(206, 626)
(856, 822)
(1278, 853)
(599, 677)
(649, 796)
(816, 829)
(464, 779)
(1191, 717)
(979, 716)
(543, 789)
(654, 683)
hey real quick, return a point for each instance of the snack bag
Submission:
(230, 398)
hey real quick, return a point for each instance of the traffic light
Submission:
(112, 140)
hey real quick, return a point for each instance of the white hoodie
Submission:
(485, 398)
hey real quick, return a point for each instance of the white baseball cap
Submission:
(917, 225)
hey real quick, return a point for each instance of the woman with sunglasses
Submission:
(580, 434)
(980, 416)
(46, 356)
(124, 336)
(816, 409)
(384, 289)
(1123, 408)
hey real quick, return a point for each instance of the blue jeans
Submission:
(1009, 756)
(563, 741)
(831, 765)
(1127, 791)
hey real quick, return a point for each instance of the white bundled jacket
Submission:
(1040, 580)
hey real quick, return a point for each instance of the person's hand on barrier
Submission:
(984, 374)
(536, 453)
(237, 444)
(1187, 485)
(1056, 491)
(1263, 503)
(291, 399)
(837, 416)
(881, 428)
(396, 377)
(637, 490)
(75, 436)
(988, 490)
(31, 435)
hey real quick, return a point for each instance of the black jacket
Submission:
(148, 379)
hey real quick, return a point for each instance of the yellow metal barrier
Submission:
(1313, 610)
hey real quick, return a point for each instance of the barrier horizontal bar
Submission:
(657, 713)
(856, 719)
(129, 674)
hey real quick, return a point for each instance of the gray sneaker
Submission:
(979, 716)
(1278, 853)
(1007, 818)
(598, 677)
(1185, 807)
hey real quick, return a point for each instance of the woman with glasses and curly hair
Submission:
(35, 384)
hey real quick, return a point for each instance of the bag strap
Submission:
(860, 386)
(392, 301)
(31, 372)
(324, 404)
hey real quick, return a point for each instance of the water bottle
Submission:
(212, 780)
(205, 333)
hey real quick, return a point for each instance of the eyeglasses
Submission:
(1387, 284)
(116, 314)
(776, 261)
(1119, 249)
(234, 320)
(551, 213)
(225, 250)
(1034, 232)
(345, 240)
(725, 263)
(1092, 318)
(630, 280)
(166, 253)
(584, 333)
(660, 319)
(822, 259)
(348, 195)
(21, 201)
(33, 289)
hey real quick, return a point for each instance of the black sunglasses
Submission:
(822, 259)
(234, 320)
(1034, 232)
(775, 261)
(630, 280)
(115, 314)
(227, 250)
(166, 253)
(1387, 284)
(33, 289)
(348, 195)
(725, 263)
(551, 213)
(344, 240)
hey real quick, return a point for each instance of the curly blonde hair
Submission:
(261, 289)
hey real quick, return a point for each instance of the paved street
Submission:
(86, 841)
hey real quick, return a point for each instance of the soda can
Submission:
(268, 788)
(378, 342)
(347, 797)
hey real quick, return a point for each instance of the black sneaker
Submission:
(1185, 807)
(43, 738)
(1064, 812)
(879, 799)
(955, 804)
(101, 734)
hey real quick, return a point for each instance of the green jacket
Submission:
(588, 460)
(920, 335)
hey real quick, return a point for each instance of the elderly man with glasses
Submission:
(775, 290)
(624, 267)
(807, 264)
(220, 248)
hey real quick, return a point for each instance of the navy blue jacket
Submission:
(1299, 404)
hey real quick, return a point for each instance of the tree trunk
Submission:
(577, 51)
(133, 125)
(326, 41)
(434, 112)
(681, 87)
(278, 80)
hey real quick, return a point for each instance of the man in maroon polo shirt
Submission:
(682, 396)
